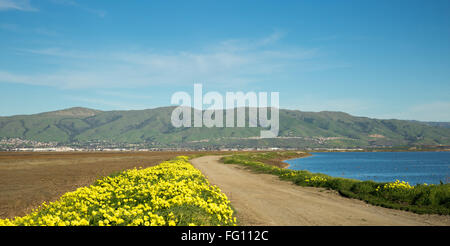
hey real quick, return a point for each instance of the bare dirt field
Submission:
(263, 199)
(27, 179)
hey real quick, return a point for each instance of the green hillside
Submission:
(153, 127)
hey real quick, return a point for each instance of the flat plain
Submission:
(27, 179)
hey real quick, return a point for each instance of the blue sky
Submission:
(380, 59)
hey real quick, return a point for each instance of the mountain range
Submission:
(152, 127)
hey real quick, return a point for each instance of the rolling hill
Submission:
(152, 127)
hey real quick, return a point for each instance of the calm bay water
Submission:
(413, 167)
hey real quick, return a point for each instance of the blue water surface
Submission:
(412, 167)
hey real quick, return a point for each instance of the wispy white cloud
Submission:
(431, 111)
(235, 45)
(57, 52)
(46, 32)
(117, 104)
(65, 2)
(21, 5)
(73, 3)
(125, 95)
(316, 103)
(9, 27)
(238, 62)
(15, 28)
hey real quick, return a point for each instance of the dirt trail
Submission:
(262, 199)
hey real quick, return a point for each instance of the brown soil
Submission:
(263, 199)
(27, 179)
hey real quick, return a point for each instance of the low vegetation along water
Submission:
(412, 167)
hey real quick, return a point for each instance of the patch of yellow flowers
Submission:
(397, 185)
(316, 180)
(289, 174)
(171, 193)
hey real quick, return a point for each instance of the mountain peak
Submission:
(74, 111)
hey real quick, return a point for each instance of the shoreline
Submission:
(287, 165)
(392, 149)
